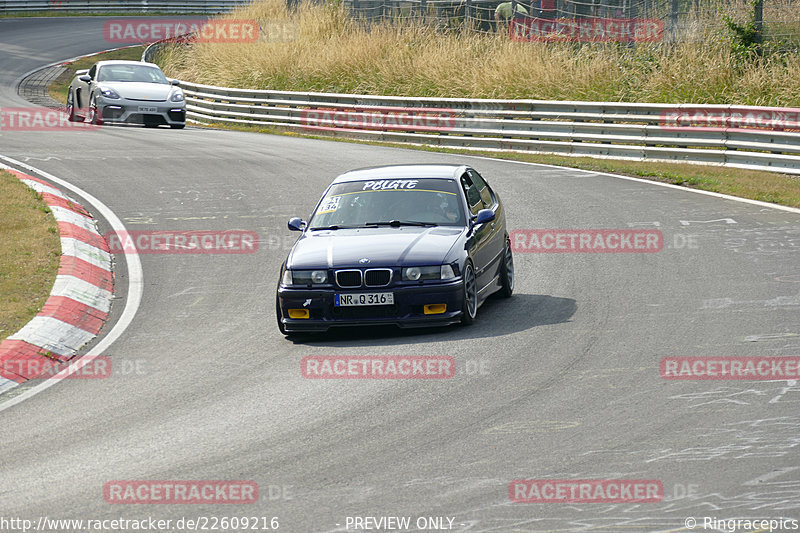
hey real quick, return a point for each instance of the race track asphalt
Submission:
(569, 386)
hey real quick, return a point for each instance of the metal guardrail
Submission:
(597, 129)
(619, 130)
(120, 6)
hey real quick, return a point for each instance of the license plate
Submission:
(145, 109)
(363, 298)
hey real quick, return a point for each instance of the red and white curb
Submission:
(79, 302)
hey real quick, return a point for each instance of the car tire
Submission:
(177, 126)
(94, 116)
(71, 107)
(507, 272)
(469, 305)
(281, 327)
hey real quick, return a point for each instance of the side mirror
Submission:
(175, 82)
(484, 215)
(85, 78)
(296, 224)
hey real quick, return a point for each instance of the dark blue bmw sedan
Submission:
(410, 245)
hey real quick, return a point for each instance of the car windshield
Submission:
(395, 202)
(138, 73)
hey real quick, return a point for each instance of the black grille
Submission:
(377, 277)
(177, 116)
(144, 118)
(348, 278)
(153, 119)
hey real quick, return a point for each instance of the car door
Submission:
(495, 240)
(478, 243)
(82, 90)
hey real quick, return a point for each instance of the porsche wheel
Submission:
(71, 107)
(94, 115)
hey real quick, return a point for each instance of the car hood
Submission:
(344, 248)
(154, 92)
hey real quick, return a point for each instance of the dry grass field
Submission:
(322, 49)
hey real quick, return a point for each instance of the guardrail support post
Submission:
(758, 19)
(673, 19)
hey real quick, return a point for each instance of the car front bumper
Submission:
(407, 311)
(123, 110)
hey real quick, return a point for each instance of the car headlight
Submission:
(421, 273)
(109, 93)
(304, 277)
(428, 273)
(447, 272)
(177, 97)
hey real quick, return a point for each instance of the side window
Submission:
(93, 71)
(472, 193)
(486, 193)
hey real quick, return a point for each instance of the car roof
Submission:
(124, 62)
(421, 170)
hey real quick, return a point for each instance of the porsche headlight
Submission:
(304, 277)
(109, 93)
(176, 97)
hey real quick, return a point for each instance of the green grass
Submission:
(29, 253)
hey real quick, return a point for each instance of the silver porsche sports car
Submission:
(126, 91)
